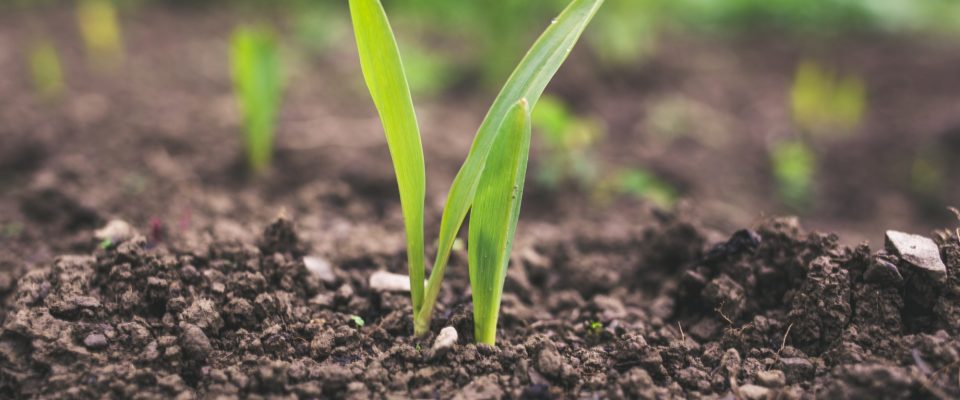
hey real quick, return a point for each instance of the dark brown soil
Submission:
(619, 301)
(651, 313)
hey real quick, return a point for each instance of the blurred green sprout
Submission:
(794, 168)
(257, 85)
(568, 141)
(489, 185)
(927, 174)
(822, 102)
(357, 320)
(637, 183)
(100, 31)
(45, 69)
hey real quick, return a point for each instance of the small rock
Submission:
(115, 231)
(447, 338)
(754, 392)
(320, 267)
(322, 299)
(882, 271)
(484, 387)
(772, 378)
(383, 281)
(918, 251)
(796, 369)
(195, 343)
(731, 363)
(95, 341)
(550, 362)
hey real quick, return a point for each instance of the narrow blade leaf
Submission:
(493, 219)
(528, 81)
(257, 79)
(385, 78)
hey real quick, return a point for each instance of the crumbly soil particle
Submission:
(772, 312)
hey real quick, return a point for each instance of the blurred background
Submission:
(843, 112)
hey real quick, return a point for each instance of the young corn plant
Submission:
(490, 182)
(45, 70)
(257, 85)
(100, 31)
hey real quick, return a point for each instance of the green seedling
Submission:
(823, 102)
(491, 178)
(595, 327)
(357, 320)
(568, 143)
(927, 176)
(257, 85)
(100, 30)
(106, 243)
(643, 184)
(12, 230)
(45, 70)
(794, 167)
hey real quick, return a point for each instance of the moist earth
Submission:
(659, 312)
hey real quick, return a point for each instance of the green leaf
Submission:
(385, 77)
(527, 82)
(257, 82)
(493, 220)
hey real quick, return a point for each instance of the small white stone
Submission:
(447, 338)
(320, 267)
(384, 281)
(115, 231)
(919, 252)
(754, 392)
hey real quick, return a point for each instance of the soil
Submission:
(653, 313)
(207, 294)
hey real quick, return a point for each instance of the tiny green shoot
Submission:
(12, 230)
(257, 82)
(45, 69)
(595, 327)
(100, 31)
(568, 143)
(794, 167)
(497, 204)
(357, 320)
(645, 185)
(822, 102)
(106, 243)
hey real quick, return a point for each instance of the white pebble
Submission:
(115, 231)
(320, 267)
(384, 281)
(447, 338)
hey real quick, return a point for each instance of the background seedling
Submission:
(385, 77)
(257, 84)
(100, 30)
(45, 69)
(642, 184)
(824, 103)
(568, 141)
(794, 168)
(357, 320)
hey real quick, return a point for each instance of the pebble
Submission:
(195, 343)
(772, 378)
(383, 281)
(115, 231)
(320, 267)
(883, 271)
(919, 252)
(797, 369)
(753, 392)
(550, 363)
(95, 341)
(447, 338)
